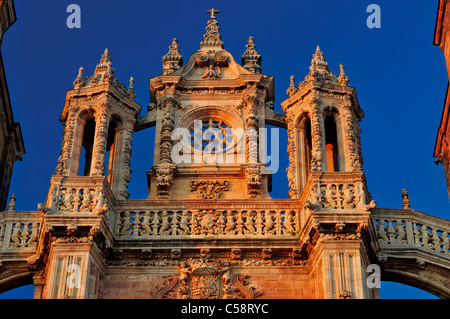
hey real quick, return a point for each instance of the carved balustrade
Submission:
(336, 190)
(407, 228)
(19, 230)
(196, 222)
(83, 194)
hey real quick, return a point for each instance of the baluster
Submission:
(417, 234)
(230, 227)
(259, 223)
(145, 224)
(287, 223)
(135, 224)
(2, 235)
(436, 239)
(220, 223)
(194, 223)
(24, 235)
(15, 235)
(278, 224)
(155, 223)
(239, 223)
(174, 224)
(445, 242)
(401, 234)
(425, 236)
(391, 232)
(382, 237)
(184, 223)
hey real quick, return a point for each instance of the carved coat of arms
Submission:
(204, 278)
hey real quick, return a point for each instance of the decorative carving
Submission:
(204, 278)
(173, 60)
(24, 235)
(405, 199)
(212, 36)
(251, 59)
(243, 289)
(345, 294)
(164, 179)
(12, 203)
(207, 222)
(209, 189)
(166, 290)
(253, 180)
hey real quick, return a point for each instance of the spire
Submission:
(212, 38)
(79, 82)
(130, 91)
(292, 88)
(173, 60)
(251, 59)
(319, 62)
(343, 78)
(105, 61)
(320, 71)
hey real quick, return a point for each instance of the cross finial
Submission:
(212, 12)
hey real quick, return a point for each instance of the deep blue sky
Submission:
(400, 78)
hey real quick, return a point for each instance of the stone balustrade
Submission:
(336, 190)
(79, 194)
(192, 223)
(19, 230)
(400, 228)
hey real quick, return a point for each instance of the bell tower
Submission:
(99, 117)
(91, 176)
(210, 115)
(326, 175)
(322, 116)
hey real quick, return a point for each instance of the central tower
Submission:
(210, 114)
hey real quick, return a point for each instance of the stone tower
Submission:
(209, 227)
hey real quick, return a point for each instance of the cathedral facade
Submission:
(209, 228)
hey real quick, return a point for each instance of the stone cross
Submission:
(212, 12)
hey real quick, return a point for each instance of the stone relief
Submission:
(209, 189)
(204, 278)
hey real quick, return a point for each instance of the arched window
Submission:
(333, 142)
(331, 145)
(111, 150)
(87, 145)
(304, 150)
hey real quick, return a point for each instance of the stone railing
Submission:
(338, 190)
(400, 228)
(79, 194)
(190, 222)
(19, 230)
